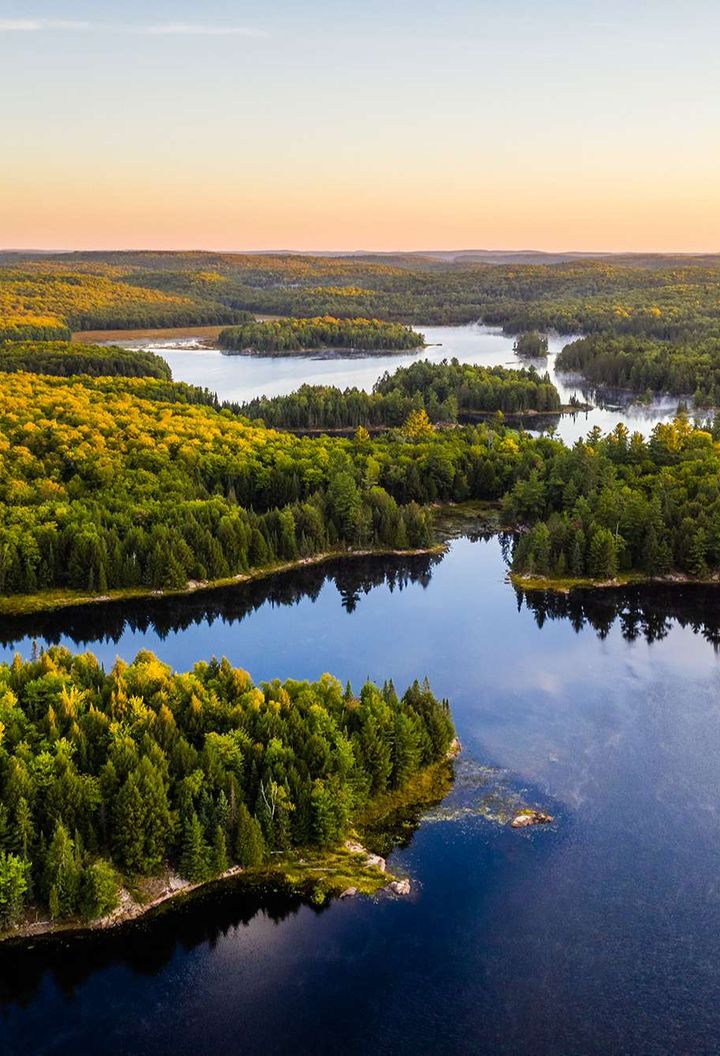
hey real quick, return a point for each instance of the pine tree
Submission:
(62, 872)
(99, 890)
(130, 826)
(249, 842)
(218, 852)
(194, 854)
(13, 888)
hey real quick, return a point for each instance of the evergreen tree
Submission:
(62, 872)
(194, 853)
(249, 843)
(13, 888)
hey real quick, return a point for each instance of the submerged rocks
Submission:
(527, 816)
(399, 887)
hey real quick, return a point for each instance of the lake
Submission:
(240, 378)
(594, 936)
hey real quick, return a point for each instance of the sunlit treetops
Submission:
(291, 335)
(112, 775)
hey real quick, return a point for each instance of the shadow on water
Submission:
(145, 947)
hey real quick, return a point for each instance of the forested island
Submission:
(531, 345)
(282, 336)
(447, 392)
(108, 779)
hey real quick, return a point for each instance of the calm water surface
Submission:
(240, 378)
(597, 935)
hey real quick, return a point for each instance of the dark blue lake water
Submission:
(595, 936)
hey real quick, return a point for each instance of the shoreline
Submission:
(298, 875)
(53, 600)
(347, 871)
(567, 584)
(320, 353)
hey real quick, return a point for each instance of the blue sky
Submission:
(342, 125)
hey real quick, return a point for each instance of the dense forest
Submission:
(129, 483)
(446, 391)
(107, 483)
(671, 303)
(280, 336)
(662, 297)
(65, 358)
(618, 503)
(105, 776)
(646, 364)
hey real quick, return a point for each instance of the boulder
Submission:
(399, 887)
(375, 859)
(349, 892)
(527, 816)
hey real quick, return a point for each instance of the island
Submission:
(282, 337)
(121, 789)
(447, 392)
(531, 345)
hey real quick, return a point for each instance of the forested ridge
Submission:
(446, 391)
(291, 335)
(105, 776)
(65, 358)
(673, 304)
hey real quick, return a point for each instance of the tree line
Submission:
(107, 776)
(276, 337)
(619, 503)
(65, 358)
(447, 391)
(646, 364)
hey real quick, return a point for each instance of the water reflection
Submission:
(145, 947)
(109, 621)
(241, 378)
(642, 612)
(645, 612)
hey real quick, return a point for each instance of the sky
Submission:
(360, 124)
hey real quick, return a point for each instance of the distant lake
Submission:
(240, 378)
(596, 936)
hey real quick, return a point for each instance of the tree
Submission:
(218, 852)
(99, 889)
(249, 843)
(13, 888)
(194, 852)
(62, 872)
